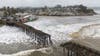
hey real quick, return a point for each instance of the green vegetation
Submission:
(58, 10)
(84, 9)
(1, 23)
(9, 11)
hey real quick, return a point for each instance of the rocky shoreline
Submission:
(77, 10)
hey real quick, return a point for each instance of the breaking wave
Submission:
(13, 39)
(33, 52)
(88, 31)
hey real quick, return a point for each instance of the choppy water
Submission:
(14, 42)
(13, 39)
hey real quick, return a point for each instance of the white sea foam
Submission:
(32, 52)
(60, 33)
(12, 34)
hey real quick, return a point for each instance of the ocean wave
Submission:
(10, 34)
(59, 34)
(32, 52)
(64, 32)
(88, 31)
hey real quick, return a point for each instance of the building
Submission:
(1, 13)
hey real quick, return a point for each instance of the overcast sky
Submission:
(38, 3)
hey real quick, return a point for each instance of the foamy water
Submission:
(32, 52)
(13, 39)
(12, 34)
(60, 33)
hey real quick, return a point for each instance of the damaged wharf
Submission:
(42, 38)
(74, 49)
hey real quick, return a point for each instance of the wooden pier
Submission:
(75, 49)
(43, 39)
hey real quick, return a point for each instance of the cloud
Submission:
(38, 3)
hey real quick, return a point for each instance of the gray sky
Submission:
(38, 3)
